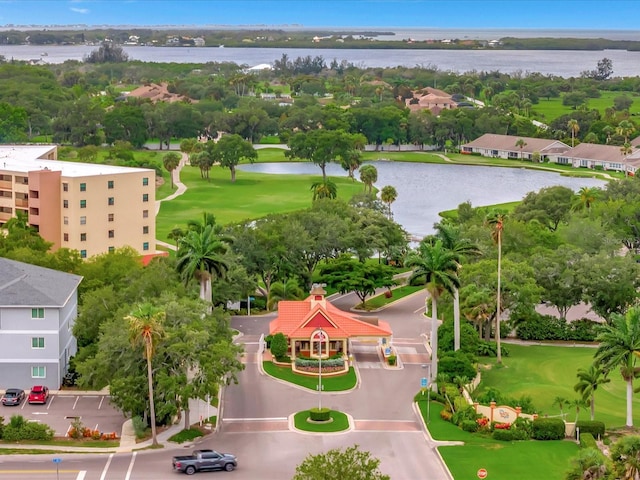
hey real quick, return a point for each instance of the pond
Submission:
(425, 190)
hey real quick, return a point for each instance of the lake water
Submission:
(564, 63)
(425, 189)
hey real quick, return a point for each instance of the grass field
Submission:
(546, 372)
(252, 196)
(525, 460)
(339, 424)
(398, 293)
(329, 384)
(548, 110)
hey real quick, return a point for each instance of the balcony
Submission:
(22, 202)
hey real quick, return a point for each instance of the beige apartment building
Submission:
(86, 207)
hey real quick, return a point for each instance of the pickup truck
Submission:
(204, 460)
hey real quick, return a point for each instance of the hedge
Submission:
(320, 414)
(587, 441)
(312, 362)
(470, 426)
(594, 428)
(548, 429)
(503, 435)
(547, 327)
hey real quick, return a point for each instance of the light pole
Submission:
(320, 338)
(424, 383)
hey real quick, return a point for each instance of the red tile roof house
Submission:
(314, 326)
(504, 146)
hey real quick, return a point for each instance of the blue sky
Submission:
(542, 14)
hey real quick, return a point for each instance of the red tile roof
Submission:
(299, 319)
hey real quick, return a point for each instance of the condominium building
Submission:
(86, 207)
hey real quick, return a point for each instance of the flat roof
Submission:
(26, 158)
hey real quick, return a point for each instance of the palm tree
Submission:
(145, 327)
(589, 464)
(625, 455)
(588, 381)
(176, 234)
(608, 131)
(324, 189)
(620, 348)
(496, 220)
(171, 161)
(208, 218)
(560, 402)
(369, 176)
(201, 255)
(520, 143)
(388, 195)
(578, 403)
(289, 290)
(625, 128)
(574, 128)
(452, 240)
(587, 196)
(439, 267)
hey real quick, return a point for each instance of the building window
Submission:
(83, 187)
(65, 187)
(37, 313)
(83, 204)
(112, 201)
(83, 237)
(145, 229)
(110, 184)
(83, 220)
(37, 342)
(145, 246)
(112, 233)
(112, 249)
(38, 372)
(145, 197)
(65, 204)
(66, 237)
(145, 213)
(66, 220)
(145, 181)
(83, 254)
(111, 217)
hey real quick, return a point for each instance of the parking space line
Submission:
(96, 427)
(101, 400)
(23, 404)
(81, 475)
(51, 399)
(68, 428)
(106, 467)
(133, 460)
(75, 403)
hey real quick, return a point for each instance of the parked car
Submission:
(13, 396)
(38, 394)
(203, 460)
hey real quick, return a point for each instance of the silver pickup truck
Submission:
(205, 460)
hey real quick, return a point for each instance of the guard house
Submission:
(307, 322)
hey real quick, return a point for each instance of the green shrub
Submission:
(279, 346)
(313, 362)
(139, 427)
(502, 435)
(587, 441)
(186, 435)
(524, 402)
(320, 414)
(267, 340)
(392, 359)
(522, 428)
(490, 349)
(547, 327)
(469, 426)
(284, 359)
(19, 429)
(594, 428)
(548, 429)
(456, 364)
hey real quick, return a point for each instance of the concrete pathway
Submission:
(181, 189)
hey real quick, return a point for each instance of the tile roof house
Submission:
(430, 99)
(300, 320)
(504, 146)
(38, 307)
(593, 155)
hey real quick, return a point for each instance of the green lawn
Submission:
(398, 293)
(545, 372)
(548, 110)
(522, 460)
(339, 424)
(330, 384)
(252, 196)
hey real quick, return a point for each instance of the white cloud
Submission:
(79, 10)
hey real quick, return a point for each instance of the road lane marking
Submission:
(101, 400)
(31, 472)
(420, 310)
(130, 469)
(81, 475)
(75, 403)
(106, 467)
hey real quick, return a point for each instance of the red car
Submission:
(39, 394)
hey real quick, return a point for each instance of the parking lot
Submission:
(95, 411)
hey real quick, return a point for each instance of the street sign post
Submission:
(57, 461)
(482, 473)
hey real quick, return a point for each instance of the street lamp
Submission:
(424, 383)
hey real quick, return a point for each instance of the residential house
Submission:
(505, 146)
(38, 307)
(86, 207)
(593, 155)
(300, 322)
(430, 99)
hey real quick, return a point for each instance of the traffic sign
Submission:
(57, 460)
(424, 382)
(482, 473)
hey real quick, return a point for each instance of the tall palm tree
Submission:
(620, 348)
(388, 195)
(574, 128)
(496, 221)
(171, 161)
(201, 255)
(461, 247)
(625, 129)
(520, 143)
(324, 189)
(145, 327)
(588, 382)
(560, 402)
(439, 267)
(289, 290)
(369, 176)
(587, 196)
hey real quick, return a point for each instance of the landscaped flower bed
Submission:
(324, 369)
